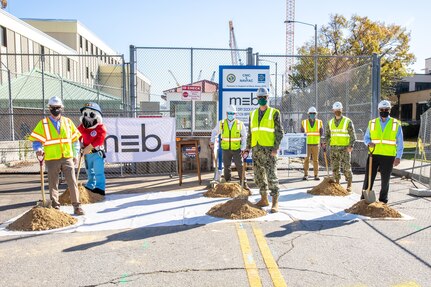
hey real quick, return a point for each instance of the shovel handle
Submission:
(41, 158)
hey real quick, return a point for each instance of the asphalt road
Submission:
(298, 253)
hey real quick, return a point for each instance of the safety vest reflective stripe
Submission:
(384, 142)
(340, 135)
(51, 142)
(231, 139)
(266, 129)
(37, 136)
(263, 132)
(313, 134)
(46, 128)
(385, 139)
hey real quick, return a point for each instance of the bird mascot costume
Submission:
(92, 142)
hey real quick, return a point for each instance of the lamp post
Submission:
(276, 73)
(315, 54)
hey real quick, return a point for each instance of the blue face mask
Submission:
(230, 117)
(312, 116)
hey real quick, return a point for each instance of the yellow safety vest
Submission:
(263, 133)
(313, 133)
(385, 140)
(339, 135)
(230, 139)
(56, 146)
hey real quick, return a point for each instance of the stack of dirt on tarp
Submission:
(226, 190)
(373, 210)
(329, 187)
(237, 208)
(85, 196)
(42, 218)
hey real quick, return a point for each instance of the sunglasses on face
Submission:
(262, 97)
(231, 114)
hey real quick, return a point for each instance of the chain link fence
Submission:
(421, 170)
(150, 86)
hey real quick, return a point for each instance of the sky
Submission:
(205, 24)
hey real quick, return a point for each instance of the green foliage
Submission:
(353, 37)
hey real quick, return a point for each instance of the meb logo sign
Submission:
(140, 139)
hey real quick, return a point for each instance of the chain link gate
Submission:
(171, 68)
(421, 170)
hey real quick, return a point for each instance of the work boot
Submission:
(274, 207)
(77, 210)
(305, 177)
(263, 200)
(316, 177)
(246, 187)
(337, 181)
(349, 186)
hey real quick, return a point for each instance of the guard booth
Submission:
(194, 107)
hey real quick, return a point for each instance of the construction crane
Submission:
(233, 47)
(173, 76)
(213, 76)
(290, 37)
(200, 75)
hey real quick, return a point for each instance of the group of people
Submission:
(60, 143)
(383, 137)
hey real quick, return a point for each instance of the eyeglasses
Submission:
(385, 110)
(261, 97)
(54, 107)
(312, 113)
(230, 113)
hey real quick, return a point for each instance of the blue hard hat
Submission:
(91, 106)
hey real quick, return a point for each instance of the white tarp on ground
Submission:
(123, 211)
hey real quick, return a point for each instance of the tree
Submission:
(354, 37)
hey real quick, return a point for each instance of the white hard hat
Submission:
(337, 106)
(384, 105)
(262, 92)
(231, 109)
(312, 110)
(55, 101)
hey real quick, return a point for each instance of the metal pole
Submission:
(315, 65)
(11, 121)
(191, 102)
(123, 79)
(250, 56)
(42, 59)
(276, 90)
(374, 85)
(132, 79)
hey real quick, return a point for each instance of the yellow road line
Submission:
(250, 264)
(407, 284)
(271, 265)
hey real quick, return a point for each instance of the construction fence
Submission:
(421, 170)
(150, 86)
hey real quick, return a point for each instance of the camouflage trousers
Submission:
(340, 158)
(265, 170)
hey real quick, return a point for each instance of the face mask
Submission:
(337, 113)
(384, 114)
(230, 117)
(312, 116)
(262, 101)
(55, 112)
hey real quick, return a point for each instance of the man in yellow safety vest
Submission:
(313, 127)
(264, 138)
(233, 142)
(384, 136)
(340, 134)
(56, 138)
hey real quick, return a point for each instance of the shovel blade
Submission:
(47, 203)
(369, 196)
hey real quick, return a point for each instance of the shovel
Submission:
(216, 179)
(244, 180)
(369, 194)
(328, 178)
(44, 202)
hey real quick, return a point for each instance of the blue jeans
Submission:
(95, 166)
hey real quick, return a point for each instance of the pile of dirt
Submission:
(85, 196)
(329, 187)
(42, 218)
(374, 210)
(237, 208)
(226, 190)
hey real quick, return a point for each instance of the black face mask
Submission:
(384, 114)
(55, 112)
(89, 119)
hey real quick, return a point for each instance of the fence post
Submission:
(192, 122)
(257, 59)
(123, 79)
(42, 59)
(250, 57)
(11, 122)
(375, 85)
(132, 79)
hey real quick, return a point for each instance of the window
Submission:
(3, 36)
(91, 50)
(87, 72)
(205, 116)
(406, 112)
(402, 87)
(86, 45)
(68, 64)
(181, 110)
(420, 109)
(80, 41)
(42, 49)
(420, 86)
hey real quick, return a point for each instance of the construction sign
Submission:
(191, 93)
